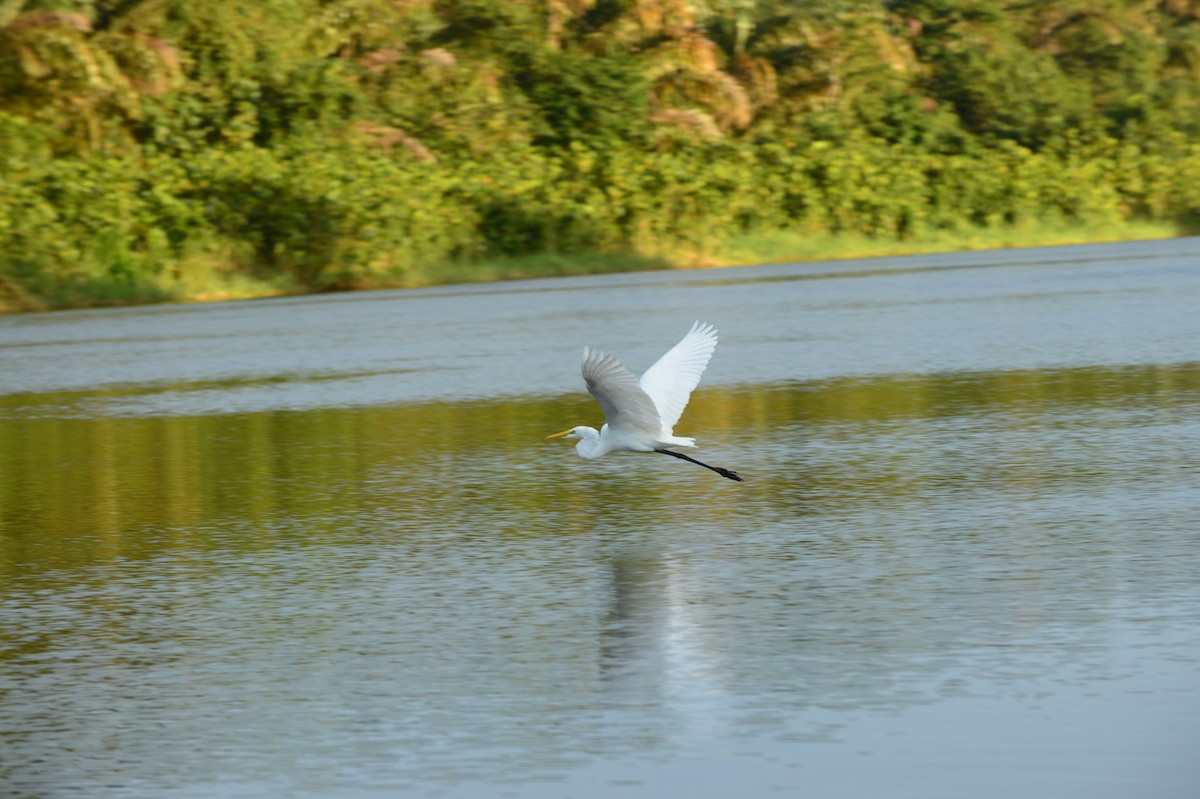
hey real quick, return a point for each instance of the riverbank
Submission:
(152, 152)
(208, 280)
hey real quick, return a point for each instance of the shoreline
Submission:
(204, 282)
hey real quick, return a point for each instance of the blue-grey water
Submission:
(319, 547)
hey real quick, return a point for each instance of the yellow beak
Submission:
(559, 435)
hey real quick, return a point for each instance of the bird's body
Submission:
(640, 415)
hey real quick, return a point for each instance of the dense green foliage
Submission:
(165, 148)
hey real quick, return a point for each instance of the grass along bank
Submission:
(209, 280)
(785, 246)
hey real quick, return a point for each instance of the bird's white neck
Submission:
(591, 442)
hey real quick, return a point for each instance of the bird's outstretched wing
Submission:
(670, 381)
(626, 406)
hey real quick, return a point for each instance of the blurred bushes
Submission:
(158, 149)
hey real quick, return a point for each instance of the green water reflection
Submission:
(77, 492)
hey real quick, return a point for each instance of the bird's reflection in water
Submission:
(653, 650)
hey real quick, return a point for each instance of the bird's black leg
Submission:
(717, 469)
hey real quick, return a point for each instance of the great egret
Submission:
(640, 414)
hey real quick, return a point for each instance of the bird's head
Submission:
(574, 432)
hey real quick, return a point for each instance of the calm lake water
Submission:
(318, 547)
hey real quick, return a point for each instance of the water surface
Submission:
(318, 547)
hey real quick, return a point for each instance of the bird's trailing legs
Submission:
(717, 469)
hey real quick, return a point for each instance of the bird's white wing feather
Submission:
(626, 406)
(670, 381)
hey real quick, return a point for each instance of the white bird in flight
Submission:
(640, 414)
